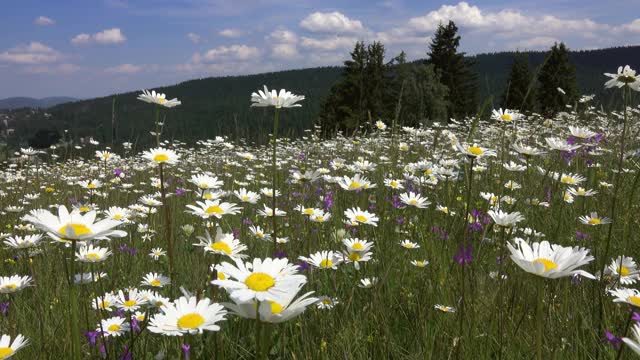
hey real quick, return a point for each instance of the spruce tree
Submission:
(455, 71)
(557, 72)
(520, 91)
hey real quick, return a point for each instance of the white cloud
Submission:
(535, 43)
(330, 43)
(31, 54)
(228, 53)
(284, 51)
(333, 22)
(43, 21)
(60, 69)
(633, 26)
(283, 36)
(105, 37)
(230, 33)
(124, 69)
(193, 37)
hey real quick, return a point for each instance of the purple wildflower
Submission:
(612, 339)
(464, 255)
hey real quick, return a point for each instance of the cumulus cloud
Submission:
(105, 37)
(283, 36)
(43, 21)
(535, 43)
(330, 43)
(333, 22)
(230, 33)
(124, 69)
(59, 69)
(31, 54)
(193, 37)
(284, 51)
(632, 27)
(227, 53)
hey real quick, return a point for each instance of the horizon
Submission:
(85, 51)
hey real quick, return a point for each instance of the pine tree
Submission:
(455, 71)
(557, 72)
(520, 91)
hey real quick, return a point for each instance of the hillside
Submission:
(27, 102)
(214, 106)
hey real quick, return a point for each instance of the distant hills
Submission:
(221, 105)
(27, 102)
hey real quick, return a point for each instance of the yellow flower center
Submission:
(475, 150)
(245, 198)
(420, 263)
(548, 264)
(10, 286)
(594, 221)
(161, 100)
(155, 282)
(5, 352)
(221, 276)
(635, 300)
(275, 307)
(259, 281)
(361, 218)
(567, 180)
(624, 271)
(93, 256)
(114, 327)
(106, 156)
(355, 185)
(130, 303)
(208, 196)
(326, 263)
(506, 117)
(408, 246)
(581, 191)
(215, 209)
(161, 158)
(221, 246)
(204, 185)
(319, 218)
(308, 211)
(327, 301)
(49, 189)
(354, 256)
(91, 186)
(104, 304)
(413, 201)
(357, 246)
(117, 216)
(85, 208)
(190, 321)
(73, 229)
(394, 184)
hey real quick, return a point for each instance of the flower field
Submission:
(507, 236)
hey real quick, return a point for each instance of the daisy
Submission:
(268, 192)
(415, 200)
(283, 99)
(408, 244)
(505, 115)
(131, 302)
(158, 98)
(357, 245)
(23, 242)
(259, 233)
(444, 308)
(309, 176)
(187, 315)
(512, 166)
(118, 213)
(625, 76)
(368, 283)
(560, 144)
(355, 216)
(380, 125)
(15, 283)
(307, 211)
(104, 155)
(419, 263)
(548, 260)
(8, 349)
(87, 278)
(271, 311)
(629, 296)
(474, 151)
(572, 179)
(355, 183)
(156, 253)
(215, 208)
(268, 212)
(268, 279)
(161, 156)
(581, 133)
(327, 303)
(155, 280)
(394, 184)
(323, 260)
(224, 244)
(580, 191)
(505, 219)
(320, 216)
(512, 185)
(623, 269)
(73, 226)
(91, 254)
(114, 326)
(526, 150)
(247, 196)
(206, 182)
(634, 344)
(593, 219)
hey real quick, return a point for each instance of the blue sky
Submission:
(87, 48)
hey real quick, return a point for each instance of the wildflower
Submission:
(548, 260)
(158, 98)
(187, 315)
(283, 99)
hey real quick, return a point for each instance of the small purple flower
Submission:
(328, 200)
(126, 355)
(247, 221)
(612, 339)
(119, 173)
(301, 156)
(635, 317)
(180, 191)
(464, 255)
(303, 265)
(135, 324)
(280, 254)
(185, 349)
(4, 307)
(236, 233)
(92, 337)
(400, 220)
(581, 235)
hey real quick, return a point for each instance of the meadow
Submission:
(510, 236)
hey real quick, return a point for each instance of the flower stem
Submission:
(276, 116)
(167, 226)
(73, 302)
(539, 319)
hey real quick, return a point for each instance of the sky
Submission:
(89, 48)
